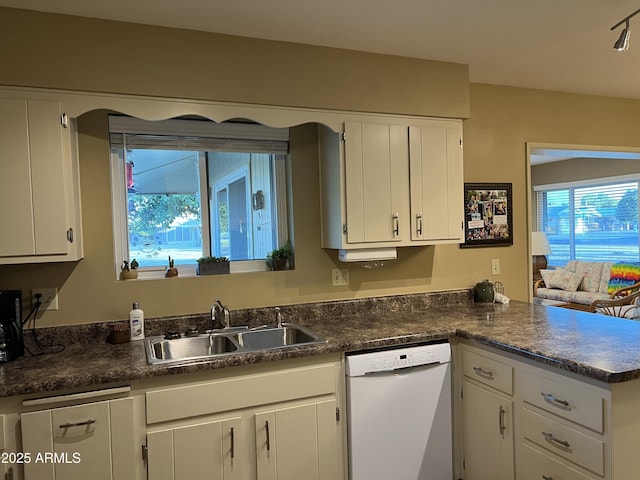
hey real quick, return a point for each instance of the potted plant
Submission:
(212, 265)
(171, 270)
(280, 258)
(129, 271)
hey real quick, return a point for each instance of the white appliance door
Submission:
(400, 424)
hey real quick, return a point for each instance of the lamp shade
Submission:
(540, 244)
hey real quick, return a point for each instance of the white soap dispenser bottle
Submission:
(136, 322)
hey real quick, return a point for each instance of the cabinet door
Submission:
(204, 450)
(375, 182)
(436, 181)
(298, 442)
(487, 432)
(79, 436)
(33, 180)
(15, 180)
(48, 177)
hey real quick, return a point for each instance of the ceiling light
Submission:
(622, 43)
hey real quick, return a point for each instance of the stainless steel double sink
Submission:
(215, 343)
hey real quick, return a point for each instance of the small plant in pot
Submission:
(280, 259)
(129, 271)
(212, 265)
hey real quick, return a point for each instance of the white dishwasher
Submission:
(399, 414)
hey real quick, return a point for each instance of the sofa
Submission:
(579, 283)
(598, 287)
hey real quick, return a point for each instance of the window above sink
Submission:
(189, 188)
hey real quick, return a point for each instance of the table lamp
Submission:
(540, 248)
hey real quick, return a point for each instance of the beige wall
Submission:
(502, 121)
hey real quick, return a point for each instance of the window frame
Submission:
(194, 128)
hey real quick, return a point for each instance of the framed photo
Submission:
(487, 215)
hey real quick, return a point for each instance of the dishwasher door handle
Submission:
(403, 370)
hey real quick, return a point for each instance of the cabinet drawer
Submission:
(537, 465)
(578, 402)
(575, 446)
(488, 371)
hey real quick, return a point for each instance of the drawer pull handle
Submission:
(481, 372)
(555, 402)
(91, 421)
(546, 477)
(501, 424)
(550, 438)
(233, 443)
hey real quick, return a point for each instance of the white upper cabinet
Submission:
(391, 182)
(39, 182)
(436, 181)
(375, 170)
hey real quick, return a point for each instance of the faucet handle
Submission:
(278, 318)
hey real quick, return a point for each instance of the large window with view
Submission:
(593, 220)
(188, 189)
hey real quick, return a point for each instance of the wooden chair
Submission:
(624, 302)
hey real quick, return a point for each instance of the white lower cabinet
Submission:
(536, 465)
(487, 418)
(557, 425)
(282, 424)
(93, 440)
(209, 448)
(298, 442)
(488, 434)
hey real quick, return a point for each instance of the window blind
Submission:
(201, 135)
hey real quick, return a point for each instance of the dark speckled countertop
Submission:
(601, 348)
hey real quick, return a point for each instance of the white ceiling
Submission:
(563, 45)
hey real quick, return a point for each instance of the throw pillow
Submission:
(623, 274)
(547, 275)
(592, 275)
(565, 280)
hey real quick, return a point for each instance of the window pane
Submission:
(594, 223)
(163, 200)
(556, 216)
(243, 205)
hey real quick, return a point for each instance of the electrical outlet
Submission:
(339, 277)
(48, 299)
(495, 266)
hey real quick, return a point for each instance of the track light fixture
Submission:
(622, 44)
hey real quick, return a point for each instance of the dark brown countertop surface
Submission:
(602, 348)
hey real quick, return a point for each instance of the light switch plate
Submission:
(495, 266)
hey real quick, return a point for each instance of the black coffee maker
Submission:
(11, 340)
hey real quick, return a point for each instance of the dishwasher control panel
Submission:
(395, 359)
